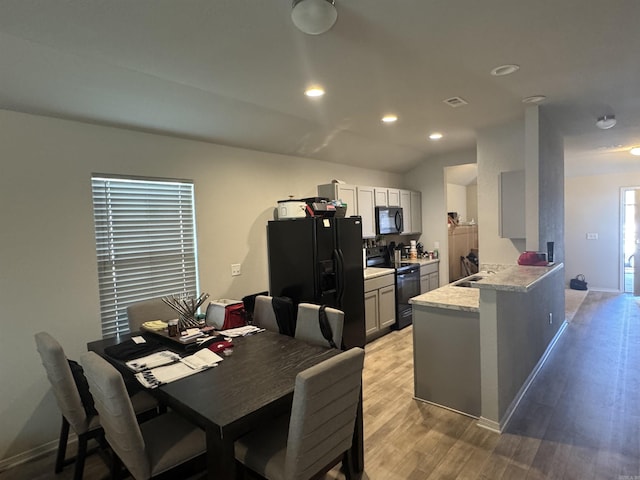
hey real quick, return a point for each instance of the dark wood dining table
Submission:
(253, 384)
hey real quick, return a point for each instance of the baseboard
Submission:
(502, 425)
(445, 407)
(36, 453)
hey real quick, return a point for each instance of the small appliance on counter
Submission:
(535, 259)
(291, 208)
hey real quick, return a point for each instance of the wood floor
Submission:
(579, 420)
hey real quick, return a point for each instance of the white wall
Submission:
(457, 201)
(472, 203)
(592, 205)
(47, 251)
(500, 149)
(429, 178)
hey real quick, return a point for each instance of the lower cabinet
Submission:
(379, 304)
(429, 277)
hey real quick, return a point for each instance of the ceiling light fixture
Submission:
(314, 17)
(606, 121)
(390, 118)
(635, 151)
(534, 99)
(435, 136)
(314, 92)
(503, 70)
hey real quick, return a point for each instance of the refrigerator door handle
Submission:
(339, 276)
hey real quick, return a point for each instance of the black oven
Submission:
(407, 282)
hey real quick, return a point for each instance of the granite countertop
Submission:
(514, 278)
(373, 272)
(425, 261)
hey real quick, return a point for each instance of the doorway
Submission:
(630, 219)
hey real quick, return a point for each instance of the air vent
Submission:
(455, 102)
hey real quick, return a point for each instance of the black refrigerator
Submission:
(319, 260)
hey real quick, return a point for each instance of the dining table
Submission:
(247, 388)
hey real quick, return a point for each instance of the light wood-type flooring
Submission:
(579, 420)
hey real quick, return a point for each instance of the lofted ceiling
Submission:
(233, 72)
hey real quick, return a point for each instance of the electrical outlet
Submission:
(235, 269)
(592, 236)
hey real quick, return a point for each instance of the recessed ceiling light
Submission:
(390, 118)
(534, 99)
(314, 91)
(435, 136)
(635, 151)
(505, 70)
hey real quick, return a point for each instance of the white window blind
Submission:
(145, 243)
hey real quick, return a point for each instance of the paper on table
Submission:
(186, 366)
(241, 331)
(153, 360)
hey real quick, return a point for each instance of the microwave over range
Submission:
(388, 220)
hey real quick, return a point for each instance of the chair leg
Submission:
(81, 456)
(116, 466)
(62, 445)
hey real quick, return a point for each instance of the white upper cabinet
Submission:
(393, 197)
(381, 197)
(405, 203)
(366, 209)
(340, 191)
(416, 212)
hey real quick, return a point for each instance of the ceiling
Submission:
(233, 72)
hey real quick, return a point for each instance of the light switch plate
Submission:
(235, 269)
(592, 236)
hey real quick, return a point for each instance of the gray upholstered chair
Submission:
(319, 431)
(308, 324)
(263, 314)
(148, 310)
(70, 403)
(148, 449)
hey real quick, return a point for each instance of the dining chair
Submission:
(70, 404)
(263, 313)
(147, 450)
(148, 310)
(319, 431)
(309, 329)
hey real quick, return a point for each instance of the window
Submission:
(145, 243)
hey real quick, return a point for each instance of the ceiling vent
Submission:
(455, 102)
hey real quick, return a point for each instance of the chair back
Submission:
(149, 310)
(116, 414)
(323, 414)
(62, 383)
(263, 314)
(308, 324)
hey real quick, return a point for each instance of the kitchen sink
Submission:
(466, 282)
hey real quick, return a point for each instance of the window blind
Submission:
(145, 244)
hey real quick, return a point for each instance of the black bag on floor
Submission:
(578, 283)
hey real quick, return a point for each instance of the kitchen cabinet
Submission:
(381, 196)
(416, 212)
(393, 197)
(366, 210)
(405, 203)
(429, 277)
(379, 304)
(511, 221)
(341, 191)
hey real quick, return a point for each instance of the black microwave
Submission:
(388, 220)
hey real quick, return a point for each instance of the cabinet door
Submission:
(387, 304)
(348, 195)
(366, 210)
(393, 197)
(371, 312)
(434, 281)
(424, 283)
(381, 197)
(405, 203)
(416, 212)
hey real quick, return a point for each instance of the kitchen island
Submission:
(477, 347)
